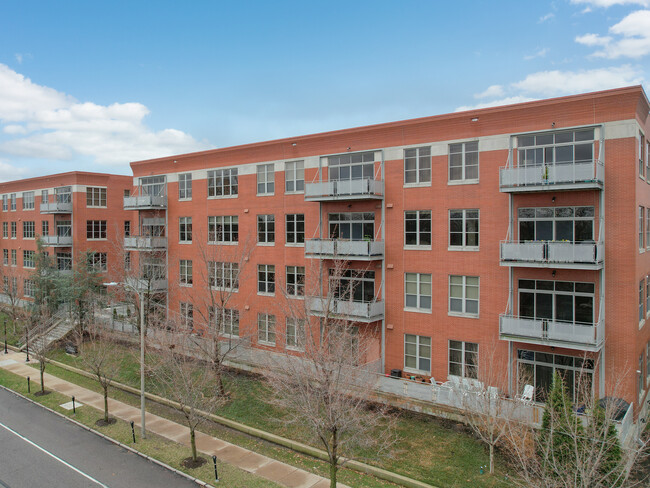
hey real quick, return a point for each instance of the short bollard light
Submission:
(74, 410)
(133, 431)
(216, 474)
(29, 385)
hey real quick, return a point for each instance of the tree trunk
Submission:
(334, 459)
(42, 368)
(106, 404)
(193, 443)
(491, 458)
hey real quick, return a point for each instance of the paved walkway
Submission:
(265, 467)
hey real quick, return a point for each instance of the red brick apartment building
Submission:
(73, 213)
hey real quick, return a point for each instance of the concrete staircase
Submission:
(49, 332)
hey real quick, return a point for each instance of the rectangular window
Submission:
(28, 200)
(463, 161)
(558, 301)
(29, 229)
(98, 261)
(464, 228)
(294, 177)
(127, 228)
(352, 226)
(29, 259)
(95, 229)
(223, 183)
(28, 288)
(185, 186)
(13, 201)
(295, 228)
(463, 359)
(572, 224)
(295, 333)
(13, 230)
(353, 285)
(295, 281)
(647, 363)
(223, 276)
(45, 228)
(187, 315)
(227, 322)
(5, 230)
(265, 179)
(641, 149)
(45, 196)
(417, 353)
(417, 228)
(266, 329)
(464, 295)
(5, 257)
(417, 291)
(555, 148)
(95, 197)
(647, 227)
(641, 228)
(647, 295)
(64, 261)
(640, 376)
(417, 165)
(266, 229)
(223, 229)
(185, 272)
(5, 203)
(5, 284)
(14, 257)
(265, 279)
(641, 300)
(63, 194)
(127, 260)
(185, 229)
(348, 167)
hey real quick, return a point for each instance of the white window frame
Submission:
(29, 259)
(266, 329)
(266, 279)
(461, 149)
(29, 288)
(641, 148)
(293, 235)
(229, 323)
(641, 229)
(266, 230)
(465, 231)
(265, 179)
(465, 365)
(295, 281)
(185, 230)
(186, 313)
(28, 200)
(95, 197)
(421, 156)
(419, 221)
(29, 229)
(14, 230)
(45, 227)
(223, 276)
(14, 257)
(185, 274)
(420, 343)
(98, 261)
(223, 229)
(5, 230)
(641, 303)
(45, 196)
(96, 230)
(223, 183)
(294, 177)
(295, 333)
(420, 280)
(465, 283)
(12, 199)
(185, 186)
(5, 203)
(5, 257)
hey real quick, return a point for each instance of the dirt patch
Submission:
(42, 393)
(104, 423)
(190, 463)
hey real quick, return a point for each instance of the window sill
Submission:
(265, 294)
(294, 192)
(417, 310)
(462, 182)
(296, 297)
(96, 206)
(265, 194)
(417, 185)
(223, 243)
(185, 285)
(460, 248)
(266, 244)
(185, 199)
(96, 239)
(463, 315)
(222, 197)
(185, 242)
(266, 343)
(641, 251)
(220, 288)
(417, 248)
(641, 324)
(415, 371)
(294, 244)
(296, 348)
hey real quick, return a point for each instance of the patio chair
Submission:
(527, 395)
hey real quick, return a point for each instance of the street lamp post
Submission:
(142, 329)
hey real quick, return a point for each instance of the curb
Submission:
(199, 482)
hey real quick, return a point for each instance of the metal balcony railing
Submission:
(147, 285)
(57, 241)
(348, 310)
(145, 202)
(566, 176)
(366, 188)
(587, 337)
(343, 249)
(56, 208)
(145, 243)
(564, 254)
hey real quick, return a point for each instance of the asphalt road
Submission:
(39, 449)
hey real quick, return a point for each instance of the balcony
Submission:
(362, 189)
(584, 337)
(578, 175)
(346, 250)
(56, 208)
(556, 254)
(147, 285)
(57, 241)
(145, 243)
(145, 202)
(353, 311)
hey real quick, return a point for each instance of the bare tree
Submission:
(325, 387)
(185, 380)
(10, 277)
(39, 345)
(577, 445)
(101, 357)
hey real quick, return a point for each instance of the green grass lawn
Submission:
(428, 449)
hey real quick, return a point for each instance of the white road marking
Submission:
(53, 456)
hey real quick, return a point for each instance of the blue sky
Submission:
(95, 85)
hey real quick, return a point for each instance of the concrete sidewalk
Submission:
(265, 467)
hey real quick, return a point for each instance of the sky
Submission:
(94, 85)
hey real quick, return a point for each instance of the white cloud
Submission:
(9, 172)
(492, 91)
(538, 54)
(546, 17)
(46, 123)
(593, 40)
(609, 3)
(633, 38)
(558, 83)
